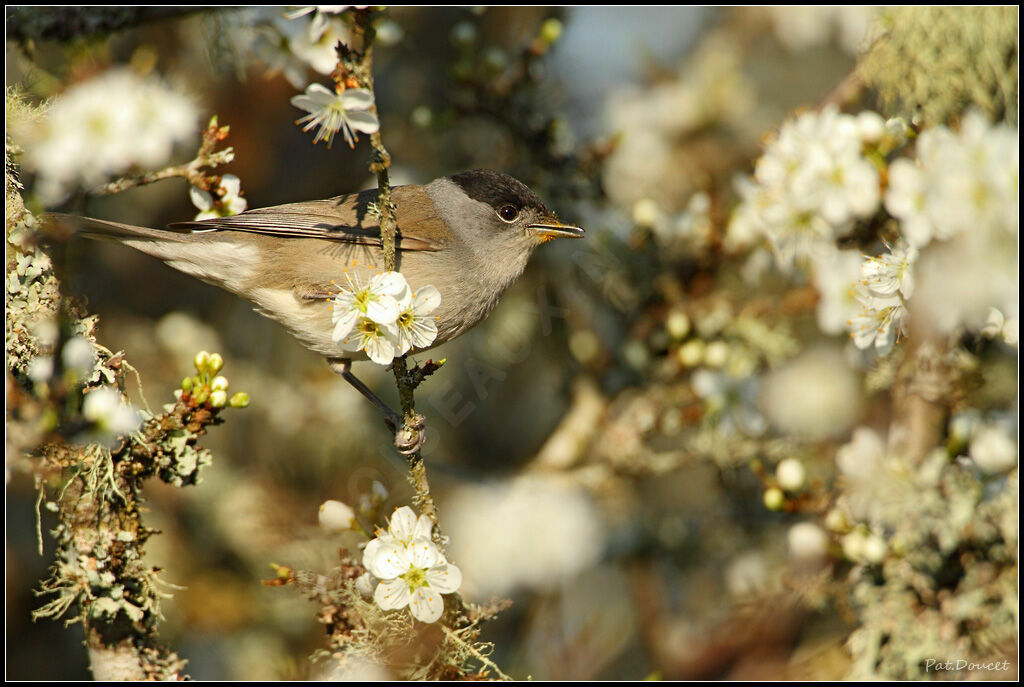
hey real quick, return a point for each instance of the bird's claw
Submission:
(409, 436)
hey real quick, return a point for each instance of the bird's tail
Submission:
(116, 231)
(211, 256)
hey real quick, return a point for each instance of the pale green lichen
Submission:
(937, 62)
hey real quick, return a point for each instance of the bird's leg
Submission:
(408, 440)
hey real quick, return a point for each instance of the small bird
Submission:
(469, 235)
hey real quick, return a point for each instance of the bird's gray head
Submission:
(496, 213)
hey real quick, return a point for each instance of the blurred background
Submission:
(603, 449)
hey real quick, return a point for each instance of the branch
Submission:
(206, 157)
(26, 24)
(359, 65)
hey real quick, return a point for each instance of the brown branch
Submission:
(359, 66)
(206, 157)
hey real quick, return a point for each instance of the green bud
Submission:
(201, 360)
(774, 499)
(219, 383)
(551, 30)
(186, 384)
(203, 395)
(215, 364)
(219, 398)
(239, 400)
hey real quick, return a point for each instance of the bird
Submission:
(469, 235)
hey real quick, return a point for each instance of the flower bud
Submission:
(336, 516)
(691, 353)
(677, 324)
(716, 354)
(790, 474)
(215, 364)
(202, 396)
(219, 398)
(774, 499)
(807, 542)
(219, 383)
(874, 549)
(835, 520)
(551, 30)
(201, 360)
(186, 384)
(239, 400)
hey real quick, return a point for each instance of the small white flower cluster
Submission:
(228, 200)
(332, 111)
(813, 182)
(384, 317)
(958, 202)
(294, 42)
(887, 281)
(961, 182)
(103, 127)
(410, 568)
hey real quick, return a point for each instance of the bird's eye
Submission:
(508, 213)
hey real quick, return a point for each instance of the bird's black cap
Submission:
(498, 189)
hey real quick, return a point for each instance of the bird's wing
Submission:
(348, 219)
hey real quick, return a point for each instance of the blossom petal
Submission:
(366, 122)
(423, 553)
(389, 561)
(200, 198)
(383, 310)
(426, 605)
(426, 301)
(231, 185)
(390, 283)
(345, 320)
(356, 99)
(424, 526)
(393, 594)
(403, 524)
(445, 578)
(380, 349)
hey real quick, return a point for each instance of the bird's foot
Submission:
(409, 436)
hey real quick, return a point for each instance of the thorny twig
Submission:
(193, 172)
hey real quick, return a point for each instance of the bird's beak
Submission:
(553, 229)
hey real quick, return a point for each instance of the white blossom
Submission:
(881, 321)
(962, 182)
(378, 300)
(330, 112)
(835, 275)
(416, 328)
(412, 570)
(807, 542)
(812, 183)
(887, 280)
(103, 127)
(335, 516)
(791, 474)
(993, 449)
(228, 201)
(888, 274)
